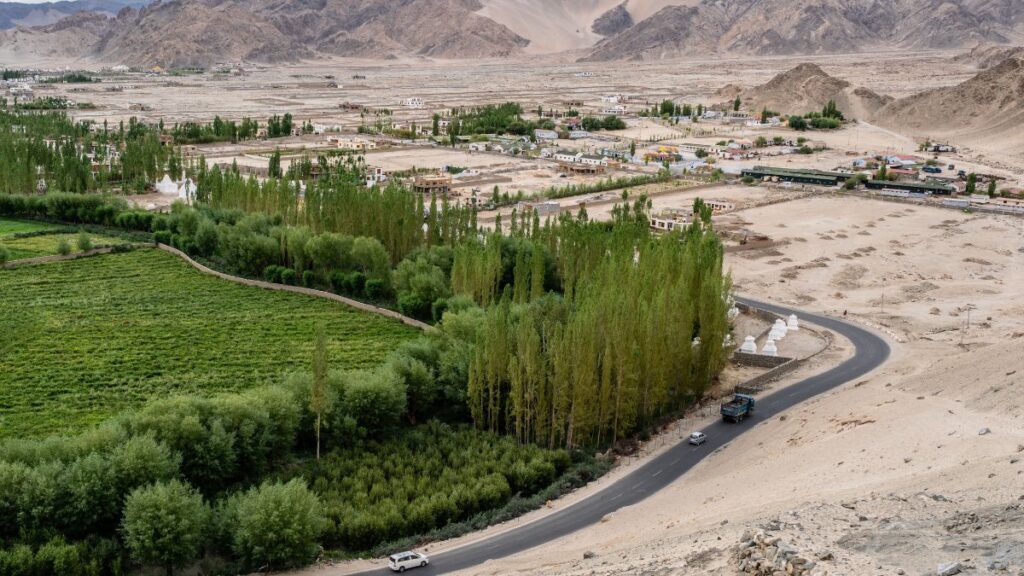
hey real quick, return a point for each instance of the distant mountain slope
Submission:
(198, 32)
(813, 27)
(62, 40)
(988, 105)
(613, 21)
(17, 14)
(986, 55)
(807, 88)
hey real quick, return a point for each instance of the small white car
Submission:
(405, 560)
(697, 438)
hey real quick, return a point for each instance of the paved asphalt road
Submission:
(871, 352)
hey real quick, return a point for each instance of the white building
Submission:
(414, 102)
(375, 175)
(618, 110)
(566, 156)
(611, 99)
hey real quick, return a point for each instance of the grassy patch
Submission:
(46, 245)
(8, 227)
(86, 339)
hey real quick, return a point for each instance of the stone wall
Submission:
(758, 360)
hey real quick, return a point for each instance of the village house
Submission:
(669, 219)
(617, 110)
(432, 184)
(375, 175)
(414, 102)
(541, 209)
(545, 134)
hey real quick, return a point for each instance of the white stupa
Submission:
(769, 348)
(778, 331)
(793, 324)
(749, 345)
(167, 186)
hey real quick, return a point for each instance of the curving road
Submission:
(870, 352)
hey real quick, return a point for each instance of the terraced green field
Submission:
(85, 339)
(33, 246)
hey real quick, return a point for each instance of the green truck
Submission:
(738, 408)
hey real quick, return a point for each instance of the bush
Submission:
(165, 524)
(748, 180)
(308, 278)
(84, 241)
(376, 289)
(63, 247)
(277, 525)
(17, 561)
(5, 255)
(205, 238)
(272, 273)
(797, 123)
(163, 237)
(288, 276)
(350, 284)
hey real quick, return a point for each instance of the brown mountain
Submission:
(202, 32)
(813, 27)
(986, 55)
(613, 21)
(807, 88)
(988, 105)
(63, 39)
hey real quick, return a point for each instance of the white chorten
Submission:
(749, 345)
(793, 324)
(769, 348)
(778, 331)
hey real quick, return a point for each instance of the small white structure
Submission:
(167, 186)
(749, 345)
(778, 331)
(793, 324)
(770, 349)
(414, 102)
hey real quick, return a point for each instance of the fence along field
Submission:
(92, 337)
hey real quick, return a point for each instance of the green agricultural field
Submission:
(46, 245)
(8, 227)
(86, 339)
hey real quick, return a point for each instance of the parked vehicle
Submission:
(932, 169)
(405, 560)
(738, 408)
(697, 438)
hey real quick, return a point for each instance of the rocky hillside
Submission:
(201, 32)
(808, 88)
(62, 40)
(613, 21)
(991, 103)
(986, 55)
(189, 32)
(14, 14)
(773, 27)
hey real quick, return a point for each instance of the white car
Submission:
(404, 560)
(697, 438)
